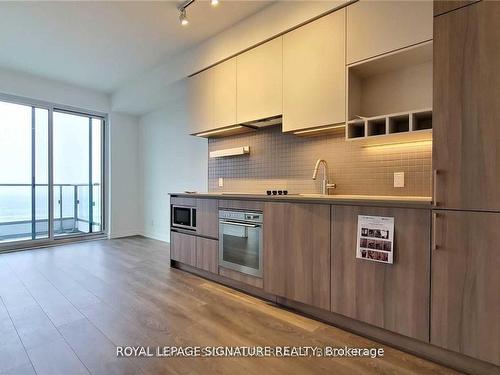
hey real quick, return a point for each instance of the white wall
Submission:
(123, 204)
(125, 211)
(170, 161)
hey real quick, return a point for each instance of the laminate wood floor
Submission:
(64, 309)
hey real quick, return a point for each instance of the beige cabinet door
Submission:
(200, 97)
(378, 27)
(391, 296)
(260, 82)
(224, 86)
(466, 115)
(297, 252)
(465, 296)
(314, 73)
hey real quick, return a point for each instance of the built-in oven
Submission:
(183, 217)
(240, 241)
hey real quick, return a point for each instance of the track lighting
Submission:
(183, 7)
(183, 17)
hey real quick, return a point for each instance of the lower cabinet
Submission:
(183, 248)
(391, 296)
(465, 304)
(199, 252)
(297, 252)
(207, 254)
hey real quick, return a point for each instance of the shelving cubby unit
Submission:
(412, 122)
(390, 95)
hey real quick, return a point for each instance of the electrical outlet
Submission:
(221, 182)
(399, 179)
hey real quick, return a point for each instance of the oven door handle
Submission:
(239, 224)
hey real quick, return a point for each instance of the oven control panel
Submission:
(255, 217)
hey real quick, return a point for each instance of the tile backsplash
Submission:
(286, 161)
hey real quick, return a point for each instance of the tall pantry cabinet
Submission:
(465, 277)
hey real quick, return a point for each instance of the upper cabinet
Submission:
(260, 82)
(314, 74)
(467, 108)
(200, 102)
(378, 27)
(224, 93)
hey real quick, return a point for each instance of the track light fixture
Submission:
(182, 10)
(183, 17)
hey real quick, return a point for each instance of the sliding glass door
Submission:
(77, 173)
(51, 173)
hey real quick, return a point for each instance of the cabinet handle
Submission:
(434, 188)
(434, 222)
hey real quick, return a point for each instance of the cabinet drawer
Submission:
(183, 248)
(241, 205)
(207, 254)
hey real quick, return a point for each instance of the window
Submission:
(40, 163)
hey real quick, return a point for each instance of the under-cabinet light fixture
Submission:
(218, 131)
(324, 128)
(422, 142)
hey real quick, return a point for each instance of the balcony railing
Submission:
(24, 210)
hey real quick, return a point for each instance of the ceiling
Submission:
(103, 45)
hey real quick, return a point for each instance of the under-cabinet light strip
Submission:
(425, 142)
(218, 131)
(319, 129)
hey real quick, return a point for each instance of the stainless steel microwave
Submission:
(184, 217)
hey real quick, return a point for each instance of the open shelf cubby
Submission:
(387, 93)
(399, 123)
(376, 126)
(422, 120)
(356, 129)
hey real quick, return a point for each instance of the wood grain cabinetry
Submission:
(200, 102)
(378, 27)
(183, 248)
(444, 6)
(260, 82)
(314, 74)
(297, 252)
(466, 105)
(224, 93)
(465, 307)
(207, 254)
(391, 296)
(207, 217)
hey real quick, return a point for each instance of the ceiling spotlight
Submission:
(214, 2)
(183, 17)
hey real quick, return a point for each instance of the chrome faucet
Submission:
(324, 185)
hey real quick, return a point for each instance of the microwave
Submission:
(184, 217)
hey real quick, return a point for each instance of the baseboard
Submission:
(156, 236)
(124, 233)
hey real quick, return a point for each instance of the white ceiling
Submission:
(103, 45)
